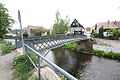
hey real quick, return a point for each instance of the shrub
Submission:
(107, 54)
(25, 34)
(114, 34)
(95, 34)
(6, 47)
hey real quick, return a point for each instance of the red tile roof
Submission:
(32, 27)
(109, 25)
(88, 28)
(35, 27)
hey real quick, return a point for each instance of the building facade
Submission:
(76, 28)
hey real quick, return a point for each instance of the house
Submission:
(18, 31)
(106, 26)
(36, 31)
(88, 31)
(75, 28)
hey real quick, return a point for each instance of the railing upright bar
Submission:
(32, 62)
(39, 67)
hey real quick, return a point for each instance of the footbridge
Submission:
(52, 42)
(42, 45)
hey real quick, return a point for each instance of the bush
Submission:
(6, 47)
(25, 34)
(110, 54)
(23, 66)
(114, 34)
(95, 34)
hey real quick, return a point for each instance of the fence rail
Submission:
(41, 43)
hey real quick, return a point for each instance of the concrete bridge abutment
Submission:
(85, 45)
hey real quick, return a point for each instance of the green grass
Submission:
(62, 76)
(10, 38)
(110, 54)
(23, 67)
(6, 47)
(71, 46)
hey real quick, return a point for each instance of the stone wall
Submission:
(85, 45)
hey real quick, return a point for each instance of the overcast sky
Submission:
(42, 12)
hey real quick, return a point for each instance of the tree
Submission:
(6, 20)
(61, 25)
(101, 30)
(95, 33)
(114, 33)
(25, 34)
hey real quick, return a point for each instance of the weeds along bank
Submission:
(6, 47)
(110, 54)
(23, 67)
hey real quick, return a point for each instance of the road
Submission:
(107, 45)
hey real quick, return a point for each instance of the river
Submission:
(85, 66)
(10, 40)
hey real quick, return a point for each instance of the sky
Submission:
(42, 12)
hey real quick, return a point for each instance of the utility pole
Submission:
(19, 18)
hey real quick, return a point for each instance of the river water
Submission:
(85, 66)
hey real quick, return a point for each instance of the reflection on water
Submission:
(84, 66)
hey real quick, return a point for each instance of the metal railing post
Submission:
(39, 68)
(19, 18)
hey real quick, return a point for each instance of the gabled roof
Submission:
(75, 23)
(35, 27)
(32, 27)
(108, 25)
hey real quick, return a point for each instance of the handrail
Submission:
(66, 74)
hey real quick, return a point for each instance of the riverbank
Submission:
(46, 71)
(105, 48)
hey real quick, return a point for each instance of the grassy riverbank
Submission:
(23, 67)
(5, 47)
(71, 46)
(111, 54)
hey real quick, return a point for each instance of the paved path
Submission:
(112, 43)
(107, 45)
(6, 63)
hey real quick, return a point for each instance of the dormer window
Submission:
(74, 24)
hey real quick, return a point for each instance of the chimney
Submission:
(108, 21)
(115, 22)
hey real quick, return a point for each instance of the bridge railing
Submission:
(57, 68)
(46, 42)
(31, 45)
